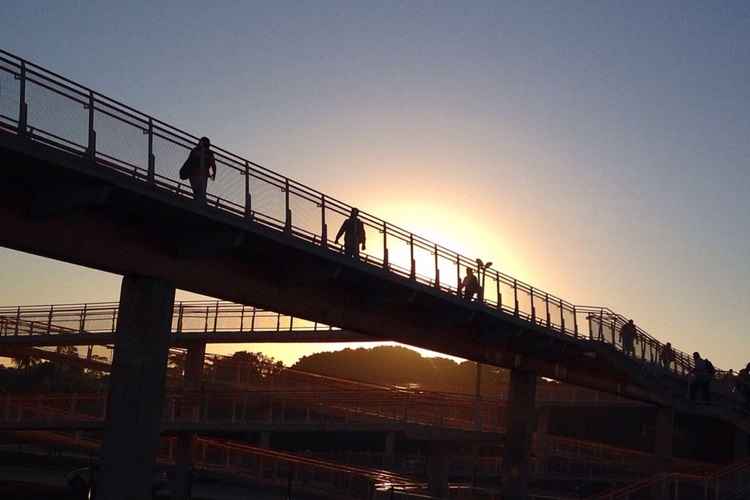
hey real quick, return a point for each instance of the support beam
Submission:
(520, 423)
(131, 438)
(663, 438)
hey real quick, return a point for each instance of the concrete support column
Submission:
(520, 423)
(741, 445)
(183, 477)
(663, 438)
(136, 389)
(437, 469)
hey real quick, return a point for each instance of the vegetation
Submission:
(396, 365)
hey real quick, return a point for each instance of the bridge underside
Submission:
(58, 205)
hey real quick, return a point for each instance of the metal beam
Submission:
(185, 339)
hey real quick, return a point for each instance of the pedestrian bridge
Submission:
(94, 182)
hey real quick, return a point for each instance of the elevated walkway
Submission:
(82, 193)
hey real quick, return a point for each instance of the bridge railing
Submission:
(188, 317)
(51, 109)
(203, 316)
(729, 483)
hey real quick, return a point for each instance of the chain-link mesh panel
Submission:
(9, 95)
(123, 143)
(61, 116)
(229, 185)
(266, 321)
(524, 303)
(399, 256)
(374, 244)
(168, 158)
(268, 201)
(555, 313)
(195, 319)
(569, 319)
(306, 215)
(100, 321)
(490, 289)
(449, 277)
(424, 264)
(334, 220)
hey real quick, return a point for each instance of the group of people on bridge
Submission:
(201, 166)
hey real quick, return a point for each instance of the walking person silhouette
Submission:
(198, 167)
(628, 333)
(354, 234)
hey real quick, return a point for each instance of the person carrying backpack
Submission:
(198, 167)
(703, 373)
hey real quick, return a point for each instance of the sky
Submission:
(597, 150)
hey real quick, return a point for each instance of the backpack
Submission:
(186, 170)
(710, 368)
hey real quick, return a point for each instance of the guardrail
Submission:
(53, 110)
(729, 483)
(188, 317)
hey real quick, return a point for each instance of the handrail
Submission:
(541, 309)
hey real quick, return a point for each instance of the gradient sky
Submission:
(598, 150)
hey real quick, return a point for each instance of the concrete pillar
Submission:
(437, 469)
(183, 476)
(741, 444)
(663, 438)
(520, 424)
(136, 389)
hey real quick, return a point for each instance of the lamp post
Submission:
(482, 272)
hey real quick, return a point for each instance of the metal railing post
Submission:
(562, 317)
(180, 312)
(18, 319)
(515, 297)
(499, 295)
(437, 268)
(23, 107)
(601, 325)
(385, 245)
(248, 195)
(323, 224)
(91, 149)
(151, 157)
(533, 307)
(413, 270)
(546, 305)
(216, 315)
(49, 318)
(83, 318)
(252, 320)
(288, 212)
(458, 274)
